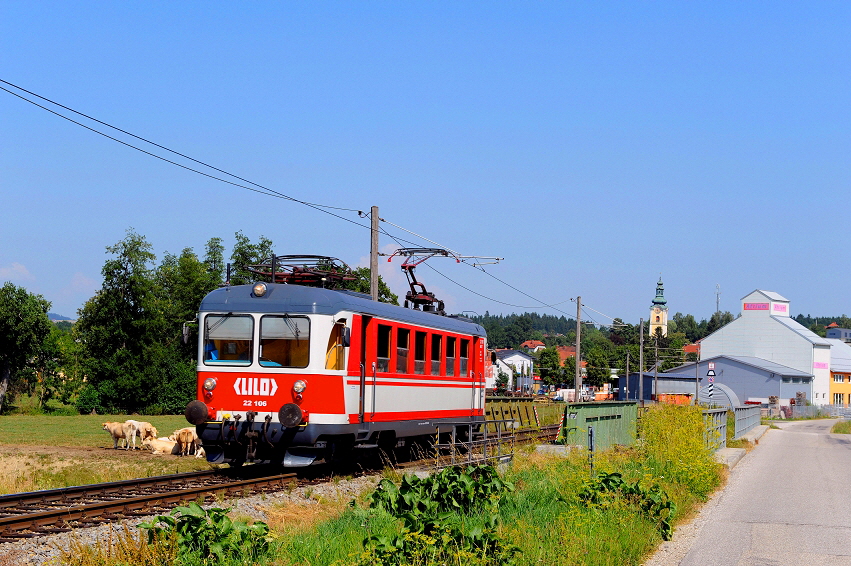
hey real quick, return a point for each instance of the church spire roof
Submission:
(660, 300)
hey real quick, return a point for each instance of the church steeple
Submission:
(659, 310)
(660, 294)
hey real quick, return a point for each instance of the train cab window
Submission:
(419, 352)
(450, 355)
(465, 355)
(284, 341)
(436, 345)
(383, 354)
(403, 337)
(336, 352)
(228, 339)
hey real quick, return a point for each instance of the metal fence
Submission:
(815, 411)
(747, 418)
(715, 428)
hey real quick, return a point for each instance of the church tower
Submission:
(659, 311)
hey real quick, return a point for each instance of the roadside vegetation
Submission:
(542, 509)
(842, 427)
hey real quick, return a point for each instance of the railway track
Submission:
(39, 513)
(46, 512)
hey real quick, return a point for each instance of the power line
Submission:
(265, 190)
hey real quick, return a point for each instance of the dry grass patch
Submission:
(296, 518)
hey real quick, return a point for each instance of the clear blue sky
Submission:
(592, 145)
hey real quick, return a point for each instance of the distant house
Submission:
(533, 345)
(522, 365)
(834, 332)
(566, 352)
(840, 372)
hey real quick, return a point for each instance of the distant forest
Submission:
(509, 331)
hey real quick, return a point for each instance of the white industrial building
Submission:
(765, 330)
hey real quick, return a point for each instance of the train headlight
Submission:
(209, 384)
(259, 289)
(299, 386)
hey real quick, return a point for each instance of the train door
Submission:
(366, 326)
(367, 367)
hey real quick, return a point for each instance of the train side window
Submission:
(465, 355)
(336, 352)
(284, 341)
(228, 339)
(450, 355)
(383, 354)
(436, 345)
(419, 352)
(403, 336)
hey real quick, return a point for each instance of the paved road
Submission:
(787, 503)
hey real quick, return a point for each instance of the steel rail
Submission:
(103, 511)
(62, 495)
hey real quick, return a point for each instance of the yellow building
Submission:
(840, 372)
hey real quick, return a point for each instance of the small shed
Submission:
(752, 379)
(669, 385)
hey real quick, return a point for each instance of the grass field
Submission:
(77, 430)
(47, 452)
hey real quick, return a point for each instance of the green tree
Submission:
(214, 259)
(117, 327)
(362, 282)
(246, 254)
(717, 320)
(23, 328)
(550, 366)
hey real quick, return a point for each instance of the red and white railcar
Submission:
(297, 375)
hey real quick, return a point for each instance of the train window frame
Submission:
(335, 352)
(293, 325)
(464, 360)
(406, 332)
(450, 365)
(383, 339)
(212, 350)
(436, 341)
(420, 352)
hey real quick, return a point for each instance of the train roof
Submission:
(298, 299)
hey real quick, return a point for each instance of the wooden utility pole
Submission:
(577, 382)
(641, 364)
(656, 368)
(373, 254)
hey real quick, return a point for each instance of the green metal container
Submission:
(614, 422)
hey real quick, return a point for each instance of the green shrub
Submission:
(208, 536)
(436, 512)
(611, 490)
(89, 400)
(671, 439)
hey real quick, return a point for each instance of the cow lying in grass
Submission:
(161, 446)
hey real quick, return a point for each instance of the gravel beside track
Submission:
(46, 549)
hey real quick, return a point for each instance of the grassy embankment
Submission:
(45, 452)
(544, 515)
(842, 427)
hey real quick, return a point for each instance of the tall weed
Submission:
(671, 440)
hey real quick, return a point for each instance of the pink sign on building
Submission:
(778, 307)
(756, 306)
(820, 365)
